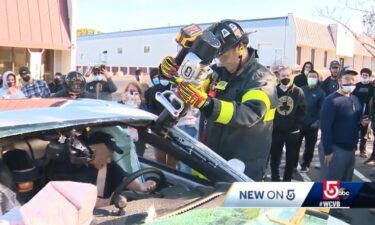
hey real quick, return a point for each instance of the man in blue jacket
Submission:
(340, 119)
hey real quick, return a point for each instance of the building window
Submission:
(312, 56)
(119, 51)
(325, 58)
(298, 55)
(82, 56)
(342, 62)
(146, 49)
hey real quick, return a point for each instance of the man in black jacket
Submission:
(102, 85)
(288, 117)
(331, 84)
(160, 85)
(364, 90)
(57, 84)
(301, 79)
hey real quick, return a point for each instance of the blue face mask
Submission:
(98, 78)
(164, 82)
(155, 81)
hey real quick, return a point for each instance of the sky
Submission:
(122, 15)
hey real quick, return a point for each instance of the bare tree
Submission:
(342, 14)
(87, 31)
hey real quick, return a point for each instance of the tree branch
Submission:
(356, 8)
(367, 46)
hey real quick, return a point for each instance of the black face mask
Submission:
(56, 80)
(285, 81)
(10, 84)
(26, 78)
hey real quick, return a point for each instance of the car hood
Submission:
(32, 115)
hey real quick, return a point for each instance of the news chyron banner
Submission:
(326, 194)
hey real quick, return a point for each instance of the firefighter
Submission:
(74, 87)
(237, 102)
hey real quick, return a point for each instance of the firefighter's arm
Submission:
(255, 106)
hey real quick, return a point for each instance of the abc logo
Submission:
(344, 193)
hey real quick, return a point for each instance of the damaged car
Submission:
(38, 134)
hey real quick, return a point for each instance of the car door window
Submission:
(128, 160)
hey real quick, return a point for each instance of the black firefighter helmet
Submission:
(75, 82)
(230, 34)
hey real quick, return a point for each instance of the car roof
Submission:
(20, 116)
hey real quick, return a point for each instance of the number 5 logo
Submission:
(331, 189)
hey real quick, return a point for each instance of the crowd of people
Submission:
(244, 111)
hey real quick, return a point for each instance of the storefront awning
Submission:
(35, 24)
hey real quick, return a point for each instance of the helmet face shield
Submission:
(75, 82)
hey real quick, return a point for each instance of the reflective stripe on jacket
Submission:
(241, 123)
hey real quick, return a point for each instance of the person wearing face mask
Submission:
(56, 85)
(132, 96)
(364, 90)
(160, 85)
(340, 119)
(155, 107)
(314, 97)
(301, 79)
(10, 89)
(286, 129)
(237, 103)
(33, 88)
(330, 84)
(102, 85)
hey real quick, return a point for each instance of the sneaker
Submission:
(304, 169)
(317, 165)
(371, 162)
(368, 160)
(363, 155)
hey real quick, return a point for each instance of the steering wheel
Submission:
(127, 180)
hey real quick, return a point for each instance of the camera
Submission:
(98, 68)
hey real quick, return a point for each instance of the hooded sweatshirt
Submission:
(5, 89)
(290, 111)
(301, 79)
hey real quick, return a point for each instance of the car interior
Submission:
(24, 159)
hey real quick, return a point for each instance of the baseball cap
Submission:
(107, 139)
(24, 70)
(348, 70)
(334, 63)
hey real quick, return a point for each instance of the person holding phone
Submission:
(101, 84)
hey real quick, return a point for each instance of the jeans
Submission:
(363, 137)
(341, 167)
(311, 137)
(291, 143)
